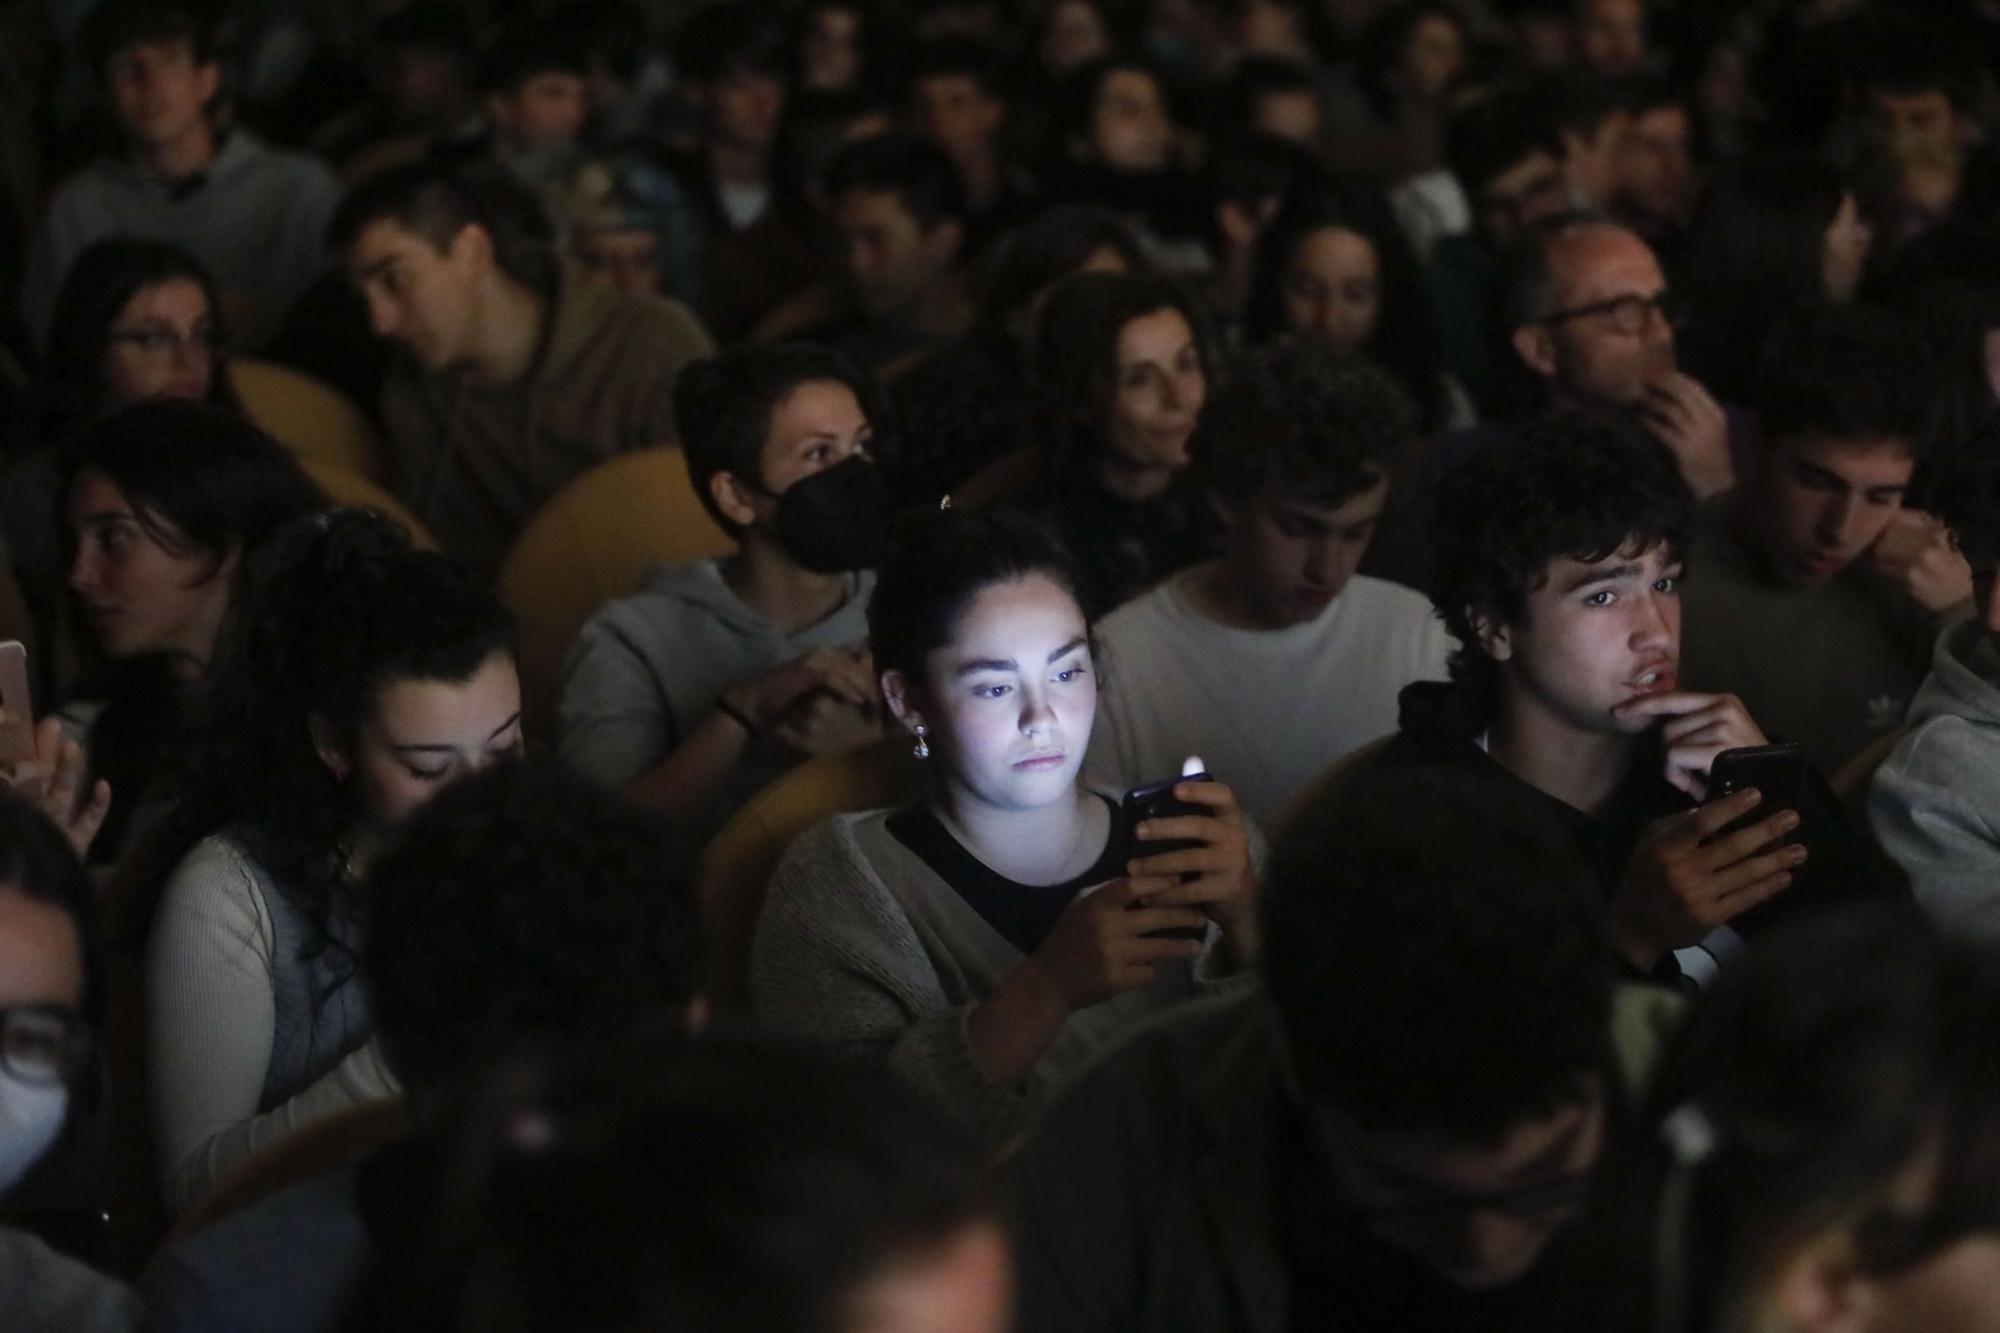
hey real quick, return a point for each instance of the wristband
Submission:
(736, 715)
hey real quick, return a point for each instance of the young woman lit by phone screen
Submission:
(986, 940)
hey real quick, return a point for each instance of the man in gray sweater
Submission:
(254, 216)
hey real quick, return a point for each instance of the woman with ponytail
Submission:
(364, 677)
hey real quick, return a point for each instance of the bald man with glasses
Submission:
(1593, 321)
(1591, 318)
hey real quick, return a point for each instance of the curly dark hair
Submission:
(1293, 414)
(794, 1179)
(1568, 485)
(340, 607)
(1402, 341)
(1433, 951)
(525, 905)
(1851, 373)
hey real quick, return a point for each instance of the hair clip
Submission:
(1689, 1134)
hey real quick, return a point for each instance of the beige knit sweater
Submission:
(862, 946)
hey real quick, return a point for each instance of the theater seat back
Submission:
(589, 545)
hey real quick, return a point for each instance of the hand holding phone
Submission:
(1192, 829)
(1156, 800)
(1778, 772)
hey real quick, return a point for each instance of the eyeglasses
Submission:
(43, 1043)
(1626, 314)
(161, 341)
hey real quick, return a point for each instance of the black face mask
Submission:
(835, 520)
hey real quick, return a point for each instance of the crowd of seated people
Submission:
(902, 665)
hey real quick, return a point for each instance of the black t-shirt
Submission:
(1023, 914)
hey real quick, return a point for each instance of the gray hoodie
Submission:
(648, 668)
(1935, 803)
(256, 218)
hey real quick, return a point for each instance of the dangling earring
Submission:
(922, 749)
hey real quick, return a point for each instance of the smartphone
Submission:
(1776, 771)
(1156, 800)
(17, 708)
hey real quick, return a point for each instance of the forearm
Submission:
(690, 783)
(1010, 1029)
(360, 1077)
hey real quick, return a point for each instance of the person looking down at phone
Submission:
(987, 941)
(1398, 1133)
(1559, 568)
(165, 506)
(1817, 590)
(1933, 799)
(1277, 659)
(718, 675)
(366, 676)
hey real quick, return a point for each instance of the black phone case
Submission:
(1156, 800)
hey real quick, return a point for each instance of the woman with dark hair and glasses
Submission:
(51, 1004)
(135, 319)
(1822, 1148)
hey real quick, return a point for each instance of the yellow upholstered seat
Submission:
(588, 545)
(312, 419)
(737, 864)
(350, 488)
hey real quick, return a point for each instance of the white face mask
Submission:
(31, 1115)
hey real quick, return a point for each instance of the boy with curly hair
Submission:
(1275, 659)
(1559, 571)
